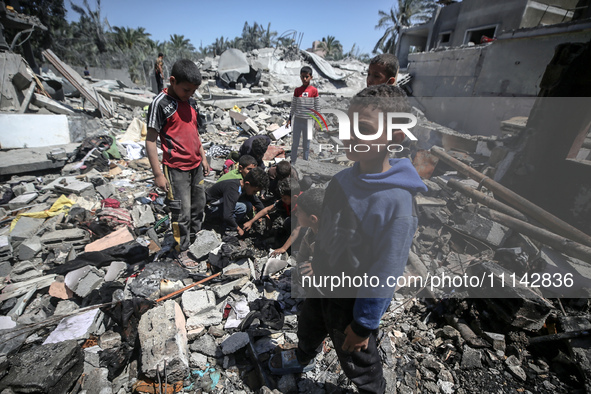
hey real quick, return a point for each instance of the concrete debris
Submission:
(112, 251)
(163, 339)
(205, 242)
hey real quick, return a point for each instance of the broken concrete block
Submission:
(250, 291)
(5, 251)
(76, 327)
(496, 340)
(76, 187)
(237, 116)
(84, 280)
(163, 337)
(205, 242)
(514, 366)
(222, 290)
(234, 342)
(29, 248)
(200, 308)
(60, 290)
(97, 381)
(118, 237)
(65, 308)
(51, 368)
(75, 236)
(240, 268)
(250, 126)
(197, 360)
(24, 188)
(205, 345)
(481, 228)
(22, 79)
(21, 201)
(142, 215)
(471, 358)
(106, 190)
(24, 271)
(114, 269)
(25, 228)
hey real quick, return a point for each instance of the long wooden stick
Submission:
(515, 200)
(557, 242)
(486, 200)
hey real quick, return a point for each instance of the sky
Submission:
(350, 21)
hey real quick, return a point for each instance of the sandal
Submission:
(186, 261)
(289, 363)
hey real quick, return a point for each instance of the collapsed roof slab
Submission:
(33, 131)
(20, 161)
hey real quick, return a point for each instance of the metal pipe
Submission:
(515, 200)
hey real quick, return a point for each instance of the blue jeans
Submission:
(299, 129)
(239, 212)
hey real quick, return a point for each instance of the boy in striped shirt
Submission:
(304, 98)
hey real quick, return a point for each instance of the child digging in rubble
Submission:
(172, 116)
(383, 69)
(304, 97)
(231, 200)
(367, 224)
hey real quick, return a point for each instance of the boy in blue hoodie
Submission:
(366, 228)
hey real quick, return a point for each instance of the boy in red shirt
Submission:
(304, 97)
(172, 116)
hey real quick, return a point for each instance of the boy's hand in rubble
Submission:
(162, 182)
(306, 269)
(353, 342)
(247, 226)
(277, 252)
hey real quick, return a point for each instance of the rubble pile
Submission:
(91, 299)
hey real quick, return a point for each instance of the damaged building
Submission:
(91, 300)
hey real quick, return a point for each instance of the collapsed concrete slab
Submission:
(33, 131)
(163, 339)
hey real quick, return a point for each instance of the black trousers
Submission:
(159, 82)
(320, 317)
(186, 200)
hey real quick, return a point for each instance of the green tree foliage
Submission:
(404, 13)
(91, 26)
(332, 47)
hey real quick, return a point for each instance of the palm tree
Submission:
(404, 13)
(180, 43)
(332, 47)
(91, 26)
(267, 36)
(251, 36)
(127, 38)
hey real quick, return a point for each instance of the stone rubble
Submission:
(110, 248)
